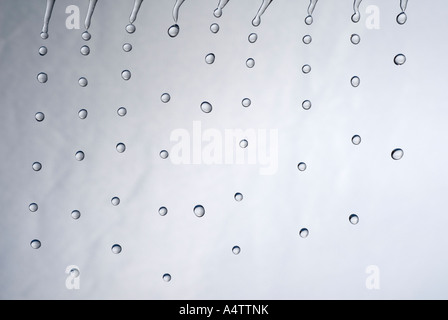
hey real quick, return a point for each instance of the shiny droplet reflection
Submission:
(301, 166)
(116, 249)
(397, 154)
(75, 214)
(43, 50)
(355, 39)
(356, 139)
(238, 196)
(127, 47)
(309, 20)
(39, 116)
(253, 37)
(402, 18)
(83, 82)
(236, 250)
(163, 211)
(115, 201)
(37, 166)
(166, 277)
(33, 207)
(199, 211)
(120, 147)
(126, 74)
(79, 155)
(355, 81)
(86, 36)
(35, 244)
(85, 50)
(214, 27)
(42, 77)
(122, 111)
(354, 219)
(250, 63)
(399, 59)
(130, 28)
(307, 39)
(82, 114)
(44, 35)
(306, 104)
(210, 58)
(303, 233)
(244, 143)
(173, 31)
(206, 107)
(306, 69)
(165, 98)
(246, 102)
(164, 154)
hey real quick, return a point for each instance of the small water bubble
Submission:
(397, 154)
(165, 98)
(306, 104)
(121, 147)
(250, 63)
(126, 74)
(164, 154)
(244, 143)
(206, 107)
(253, 37)
(238, 196)
(85, 50)
(163, 211)
(86, 36)
(173, 31)
(33, 207)
(43, 50)
(35, 244)
(199, 211)
(246, 102)
(37, 166)
(301, 166)
(116, 249)
(236, 250)
(399, 59)
(309, 20)
(44, 35)
(355, 38)
(127, 47)
(354, 219)
(115, 201)
(306, 69)
(402, 18)
(130, 28)
(356, 139)
(82, 114)
(79, 155)
(303, 233)
(307, 39)
(83, 82)
(39, 116)
(122, 111)
(166, 277)
(210, 58)
(75, 214)
(214, 27)
(42, 77)
(355, 81)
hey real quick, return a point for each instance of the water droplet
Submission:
(33, 207)
(130, 28)
(79, 155)
(307, 39)
(43, 50)
(303, 233)
(121, 147)
(37, 166)
(115, 201)
(210, 58)
(236, 250)
(253, 37)
(357, 15)
(399, 59)
(85, 50)
(244, 143)
(163, 211)
(214, 27)
(250, 63)
(355, 38)
(306, 69)
(264, 5)
(35, 244)
(199, 211)
(173, 31)
(306, 104)
(206, 107)
(74, 273)
(82, 114)
(165, 98)
(127, 47)
(126, 74)
(218, 11)
(86, 36)
(122, 111)
(309, 20)
(246, 102)
(238, 197)
(356, 139)
(301, 166)
(397, 154)
(39, 116)
(83, 82)
(354, 219)
(42, 77)
(116, 249)
(44, 35)
(166, 277)
(355, 81)
(164, 154)
(75, 214)
(402, 18)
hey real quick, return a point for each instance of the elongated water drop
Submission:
(90, 10)
(176, 9)
(257, 20)
(137, 5)
(218, 11)
(311, 7)
(402, 17)
(357, 15)
(48, 11)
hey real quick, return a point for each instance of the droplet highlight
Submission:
(199, 211)
(250, 63)
(82, 114)
(115, 201)
(307, 39)
(399, 59)
(122, 111)
(166, 277)
(173, 31)
(83, 82)
(127, 47)
(164, 154)
(33, 207)
(355, 81)
(304, 233)
(306, 69)
(37, 166)
(252, 38)
(264, 5)
(214, 28)
(35, 244)
(306, 104)
(130, 28)
(397, 154)
(301, 166)
(163, 211)
(206, 107)
(353, 218)
(210, 58)
(75, 214)
(356, 140)
(42, 77)
(244, 143)
(355, 39)
(86, 36)
(238, 197)
(116, 249)
(85, 50)
(126, 75)
(43, 50)
(165, 98)
(121, 147)
(39, 116)
(236, 250)
(246, 102)
(79, 155)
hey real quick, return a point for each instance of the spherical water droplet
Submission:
(127, 47)
(214, 27)
(75, 214)
(309, 20)
(244, 143)
(82, 114)
(39, 116)
(74, 273)
(301, 166)
(122, 111)
(256, 21)
(164, 154)
(86, 36)
(165, 98)
(250, 63)
(44, 35)
(199, 211)
(206, 107)
(356, 139)
(356, 17)
(217, 13)
(399, 59)
(166, 277)
(115, 201)
(43, 50)
(79, 155)
(246, 102)
(33, 207)
(354, 219)
(85, 50)
(210, 58)
(83, 82)
(238, 196)
(236, 250)
(121, 147)
(307, 39)
(303, 233)
(42, 77)
(130, 28)
(253, 37)
(173, 31)
(306, 104)
(402, 18)
(397, 154)
(306, 69)
(355, 81)
(35, 244)
(163, 211)
(126, 74)
(37, 166)
(355, 39)
(116, 249)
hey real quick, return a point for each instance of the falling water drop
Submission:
(210, 58)
(309, 20)
(250, 63)
(218, 11)
(311, 7)
(165, 98)
(127, 47)
(176, 9)
(355, 81)
(48, 11)
(33, 207)
(356, 140)
(79, 155)
(246, 102)
(199, 211)
(166, 277)
(122, 111)
(253, 37)
(402, 17)
(90, 10)
(399, 59)
(85, 50)
(75, 214)
(307, 39)
(164, 154)
(37, 166)
(238, 196)
(306, 69)
(301, 166)
(115, 201)
(206, 107)
(126, 75)
(135, 9)
(83, 82)
(306, 104)
(116, 249)
(236, 250)
(357, 15)
(353, 218)
(264, 5)
(214, 27)
(163, 211)
(244, 143)
(42, 77)
(355, 39)
(130, 28)
(173, 31)
(121, 147)
(86, 36)
(397, 154)
(35, 244)
(39, 116)
(303, 233)
(82, 114)
(43, 50)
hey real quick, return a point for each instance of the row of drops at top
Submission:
(173, 30)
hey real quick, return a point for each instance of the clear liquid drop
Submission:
(42, 77)
(115, 201)
(82, 114)
(126, 75)
(75, 214)
(246, 102)
(130, 28)
(199, 211)
(307, 39)
(176, 9)
(35, 244)
(301, 166)
(355, 39)
(354, 219)
(306, 69)
(90, 10)
(303, 233)
(116, 249)
(135, 9)
(79, 155)
(83, 82)
(37, 166)
(39, 116)
(244, 143)
(399, 59)
(355, 81)
(402, 18)
(122, 111)
(264, 5)
(173, 31)
(238, 197)
(85, 50)
(43, 50)
(397, 154)
(206, 107)
(250, 63)
(218, 11)
(86, 36)
(166, 277)
(163, 211)
(356, 140)
(48, 11)
(44, 35)
(214, 28)
(164, 154)
(306, 104)
(121, 147)
(357, 15)
(127, 47)
(165, 98)
(253, 37)
(236, 250)
(33, 207)
(210, 58)
(309, 20)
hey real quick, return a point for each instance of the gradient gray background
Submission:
(401, 204)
